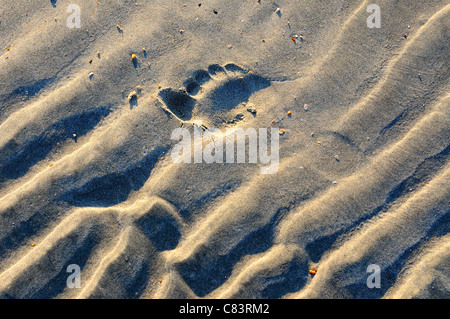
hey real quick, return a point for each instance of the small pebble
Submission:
(251, 109)
(133, 95)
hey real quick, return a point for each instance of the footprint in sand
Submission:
(210, 95)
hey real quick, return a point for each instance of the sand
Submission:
(87, 177)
